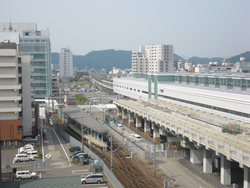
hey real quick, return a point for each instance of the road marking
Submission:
(62, 147)
(46, 141)
(79, 171)
(48, 156)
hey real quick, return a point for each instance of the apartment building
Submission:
(66, 63)
(17, 110)
(153, 59)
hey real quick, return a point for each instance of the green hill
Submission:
(237, 57)
(102, 59)
(199, 60)
(122, 59)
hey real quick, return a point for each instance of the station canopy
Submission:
(84, 119)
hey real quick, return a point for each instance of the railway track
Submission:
(128, 171)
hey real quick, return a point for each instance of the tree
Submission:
(80, 99)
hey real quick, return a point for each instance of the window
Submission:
(19, 130)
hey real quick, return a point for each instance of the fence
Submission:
(106, 170)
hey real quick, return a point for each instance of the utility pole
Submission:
(82, 133)
(111, 155)
(122, 136)
(154, 158)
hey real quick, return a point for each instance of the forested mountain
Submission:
(200, 60)
(122, 59)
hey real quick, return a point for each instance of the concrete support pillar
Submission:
(119, 112)
(124, 115)
(225, 171)
(147, 129)
(246, 177)
(102, 137)
(138, 123)
(196, 156)
(131, 119)
(156, 134)
(207, 161)
(97, 137)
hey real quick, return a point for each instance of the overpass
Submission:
(202, 138)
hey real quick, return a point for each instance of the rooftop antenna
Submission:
(10, 27)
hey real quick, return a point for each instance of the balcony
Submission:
(10, 87)
(7, 64)
(15, 110)
(11, 98)
(7, 75)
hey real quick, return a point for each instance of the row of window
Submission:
(207, 106)
(32, 40)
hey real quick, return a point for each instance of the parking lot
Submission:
(56, 159)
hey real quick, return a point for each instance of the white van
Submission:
(92, 178)
(33, 154)
(23, 157)
(25, 174)
(119, 126)
(135, 137)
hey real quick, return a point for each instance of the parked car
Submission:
(23, 157)
(26, 148)
(75, 148)
(81, 156)
(92, 178)
(25, 174)
(32, 154)
(29, 139)
(76, 153)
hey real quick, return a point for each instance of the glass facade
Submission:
(39, 48)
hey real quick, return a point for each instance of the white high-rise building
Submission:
(17, 110)
(153, 59)
(66, 63)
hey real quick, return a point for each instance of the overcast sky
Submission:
(204, 28)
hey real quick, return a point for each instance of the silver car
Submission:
(92, 178)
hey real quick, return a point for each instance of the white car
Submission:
(23, 157)
(25, 174)
(26, 148)
(135, 137)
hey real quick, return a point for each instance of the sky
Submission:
(203, 28)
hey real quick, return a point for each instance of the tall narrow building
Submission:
(153, 59)
(66, 63)
(37, 44)
(17, 110)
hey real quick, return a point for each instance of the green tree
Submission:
(80, 99)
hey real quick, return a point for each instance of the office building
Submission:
(153, 59)
(37, 44)
(66, 63)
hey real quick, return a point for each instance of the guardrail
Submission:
(218, 143)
